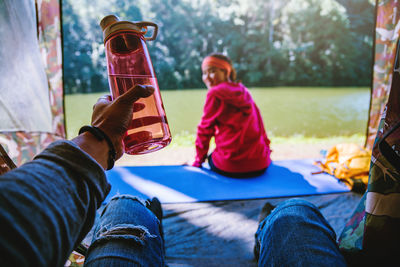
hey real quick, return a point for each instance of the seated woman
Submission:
(232, 117)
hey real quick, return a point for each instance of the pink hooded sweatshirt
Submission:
(232, 117)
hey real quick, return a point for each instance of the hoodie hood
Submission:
(235, 94)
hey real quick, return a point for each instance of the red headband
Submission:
(217, 62)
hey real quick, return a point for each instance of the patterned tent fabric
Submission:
(386, 35)
(6, 163)
(373, 233)
(21, 146)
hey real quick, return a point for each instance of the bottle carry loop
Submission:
(144, 25)
(112, 25)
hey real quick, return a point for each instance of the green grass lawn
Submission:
(303, 114)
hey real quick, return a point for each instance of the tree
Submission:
(85, 69)
(286, 42)
(321, 45)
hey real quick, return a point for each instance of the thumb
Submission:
(136, 92)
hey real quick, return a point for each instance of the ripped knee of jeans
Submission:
(124, 232)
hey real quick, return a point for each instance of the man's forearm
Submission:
(49, 204)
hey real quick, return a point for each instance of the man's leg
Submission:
(127, 234)
(296, 234)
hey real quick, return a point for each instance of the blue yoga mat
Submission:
(177, 183)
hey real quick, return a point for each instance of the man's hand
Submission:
(114, 117)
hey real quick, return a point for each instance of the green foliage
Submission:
(84, 72)
(272, 43)
(85, 69)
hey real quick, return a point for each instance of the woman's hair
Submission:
(232, 76)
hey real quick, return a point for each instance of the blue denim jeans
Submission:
(127, 234)
(296, 234)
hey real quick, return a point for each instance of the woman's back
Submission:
(241, 142)
(232, 117)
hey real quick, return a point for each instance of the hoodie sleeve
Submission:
(205, 130)
(48, 205)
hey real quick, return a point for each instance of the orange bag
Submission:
(349, 163)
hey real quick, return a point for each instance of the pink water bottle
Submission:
(128, 64)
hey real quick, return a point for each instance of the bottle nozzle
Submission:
(108, 20)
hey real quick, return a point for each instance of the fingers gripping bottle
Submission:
(129, 64)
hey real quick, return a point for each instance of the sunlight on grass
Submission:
(291, 115)
(299, 139)
(186, 139)
(78, 111)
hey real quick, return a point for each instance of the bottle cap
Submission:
(111, 24)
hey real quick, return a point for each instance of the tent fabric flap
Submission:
(386, 34)
(31, 105)
(371, 234)
(24, 88)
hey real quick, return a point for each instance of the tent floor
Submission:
(221, 233)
